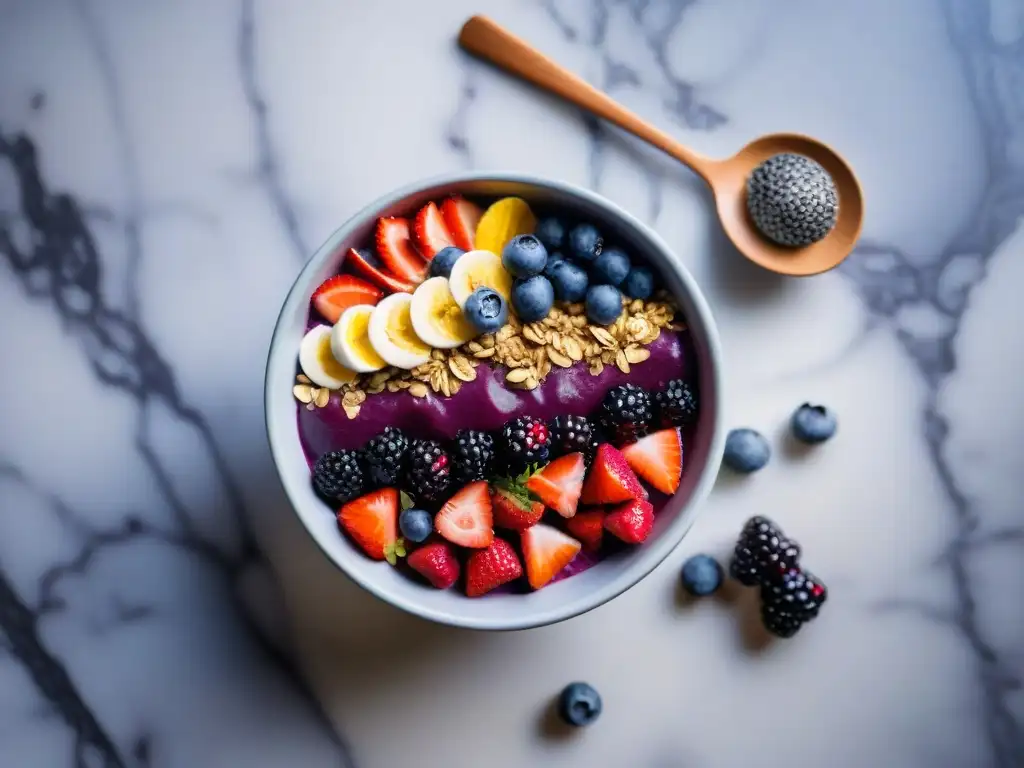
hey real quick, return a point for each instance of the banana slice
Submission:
(318, 362)
(478, 268)
(436, 316)
(392, 334)
(350, 340)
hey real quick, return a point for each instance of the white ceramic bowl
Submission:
(565, 598)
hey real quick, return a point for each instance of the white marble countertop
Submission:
(166, 167)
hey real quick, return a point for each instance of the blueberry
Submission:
(416, 524)
(579, 704)
(639, 283)
(569, 280)
(551, 232)
(813, 423)
(554, 257)
(746, 450)
(610, 267)
(532, 298)
(486, 310)
(604, 304)
(524, 256)
(585, 242)
(701, 575)
(442, 263)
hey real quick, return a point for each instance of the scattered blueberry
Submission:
(579, 704)
(611, 266)
(532, 298)
(813, 423)
(604, 304)
(585, 242)
(746, 450)
(702, 575)
(639, 283)
(524, 256)
(486, 310)
(551, 232)
(554, 257)
(569, 280)
(416, 524)
(442, 263)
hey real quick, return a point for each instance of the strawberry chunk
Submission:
(546, 551)
(372, 521)
(513, 511)
(658, 459)
(611, 480)
(338, 293)
(396, 250)
(587, 526)
(467, 519)
(631, 522)
(461, 217)
(430, 232)
(436, 562)
(489, 568)
(560, 483)
(362, 265)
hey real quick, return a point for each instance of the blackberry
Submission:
(385, 457)
(625, 413)
(762, 553)
(571, 434)
(427, 471)
(676, 405)
(524, 441)
(338, 476)
(792, 200)
(779, 622)
(472, 456)
(790, 600)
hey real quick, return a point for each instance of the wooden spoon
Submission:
(727, 178)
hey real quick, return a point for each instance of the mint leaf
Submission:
(406, 500)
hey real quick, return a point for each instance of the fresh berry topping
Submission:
(790, 600)
(524, 256)
(610, 479)
(554, 257)
(461, 218)
(427, 470)
(472, 455)
(532, 298)
(813, 423)
(546, 551)
(416, 524)
(676, 405)
(486, 310)
(443, 261)
(560, 483)
(573, 434)
(362, 264)
(625, 413)
(385, 456)
(585, 242)
(639, 283)
(338, 476)
(603, 304)
(587, 526)
(489, 568)
(524, 442)
(658, 459)
(579, 704)
(466, 519)
(394, 244)
(746, 451)
(436, 562)
(372, 521)
(569, 281)
(430, 232)
(515, 510)
(701, 575)
(338, 293)
(630, 522)
(611, 267)
(792, 199)
(551, 232)
(762, 552)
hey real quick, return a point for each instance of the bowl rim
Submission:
(642, 563)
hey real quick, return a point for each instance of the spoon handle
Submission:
(487, 40)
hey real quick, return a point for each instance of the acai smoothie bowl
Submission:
(494, 400)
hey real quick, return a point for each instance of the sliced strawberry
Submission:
(363, 265)
(396, 250)
(436, 562)
(658, 459)
(587, 526)
(512, 510)
(631, 522)
(338, 293)
(461, 217)
(466, 519)
(430, 232)
(546, 551)
(489, 568)
(610, 479)
(372, 521)
(560, 483)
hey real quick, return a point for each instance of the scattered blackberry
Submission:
(385, 457)
(338, 476)
(676, 405)
(427, 471)
(571, 434)
(779, 622)
(472, 456)
(762, 553)
(524, 441)
(790, 600)
(625, 413)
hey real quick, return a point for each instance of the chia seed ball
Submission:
(792, 200)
